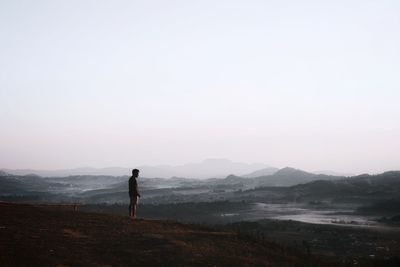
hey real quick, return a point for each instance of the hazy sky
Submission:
(309, 84)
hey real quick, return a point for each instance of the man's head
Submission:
(135, 172)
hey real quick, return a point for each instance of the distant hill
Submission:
(285, 185)
(112, 171)
(209, 168)
(54, 236)
(291, 176)
(292, 172)
(278, 177)
(262, 172)
(362, 189)
(10, 184)
(334, 173)
(371, 185)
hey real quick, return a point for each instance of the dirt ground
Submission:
(53, 236)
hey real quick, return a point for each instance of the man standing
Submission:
(133, 193)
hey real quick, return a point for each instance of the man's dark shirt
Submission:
(133, 187)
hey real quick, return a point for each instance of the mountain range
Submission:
(209, 168)
(287, 185)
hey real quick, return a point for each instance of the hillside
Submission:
(262, 172)
(286, 185)
(52, 236)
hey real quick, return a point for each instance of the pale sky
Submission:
(309, 84)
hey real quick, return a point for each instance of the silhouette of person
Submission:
(133, 193)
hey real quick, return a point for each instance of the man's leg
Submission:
(134, 211)
(135, 201)
(131, 204)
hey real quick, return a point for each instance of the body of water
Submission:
(304, 214)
